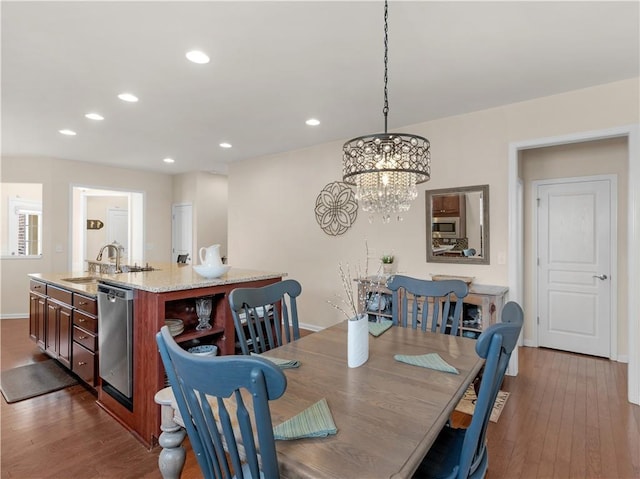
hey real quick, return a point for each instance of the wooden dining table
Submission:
(387, 413)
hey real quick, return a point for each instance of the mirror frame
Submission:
(431, 258)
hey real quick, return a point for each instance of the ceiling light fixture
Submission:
(169, 160)
(312, 122)
(386, 167)
(128, 97)
(197, 56)
(94, 116)
(225, 145)
(67, 132)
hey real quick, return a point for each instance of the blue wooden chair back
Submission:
(197, 380)
(427, 304)
(462, 453)
(495, 344)
(264, 314)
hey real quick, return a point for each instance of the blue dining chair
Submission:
(462, 453)
(264, 314)
(424, 300)
(223, 436)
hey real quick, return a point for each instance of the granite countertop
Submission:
(166, 277)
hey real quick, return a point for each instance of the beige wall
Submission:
(208, 194)
(271, 200)
(575, 160)
(57, 178)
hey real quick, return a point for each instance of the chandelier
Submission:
(386, 167)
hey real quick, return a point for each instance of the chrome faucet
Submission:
(116, 249)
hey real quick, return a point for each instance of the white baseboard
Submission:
(15, 316)
(310, 327)
(620, 358)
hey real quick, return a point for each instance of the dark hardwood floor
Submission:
(567, 417)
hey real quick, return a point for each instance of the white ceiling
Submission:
(276, 64)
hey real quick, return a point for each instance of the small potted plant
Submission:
(387, 263)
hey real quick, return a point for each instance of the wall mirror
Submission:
(457, 222)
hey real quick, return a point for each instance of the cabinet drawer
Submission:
(85, 321)
(88, 340)
(38, 287)
(85, 303)
(62, 295)
(84, 364)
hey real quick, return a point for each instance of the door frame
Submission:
(515, 263)
(174, 206)
(612, 273)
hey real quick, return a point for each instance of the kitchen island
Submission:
(166, 292)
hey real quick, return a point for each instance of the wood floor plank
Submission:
(567, 417)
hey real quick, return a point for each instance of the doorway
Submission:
(576, 233)
(182, 231)
(85, 243)
(631, 202)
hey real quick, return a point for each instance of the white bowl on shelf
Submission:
(204, 350)
(211, 271)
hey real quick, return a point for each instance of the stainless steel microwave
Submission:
(446, 227)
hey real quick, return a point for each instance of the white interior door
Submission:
(576, 235)
(118, 227)
(181, 230)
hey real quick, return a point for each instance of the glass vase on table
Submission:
(203, 310)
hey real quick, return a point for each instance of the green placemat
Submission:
(376, 329)
(315, 421)
(431, 361)
(282, 363)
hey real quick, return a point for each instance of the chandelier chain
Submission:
(385, 110)
(386, 167)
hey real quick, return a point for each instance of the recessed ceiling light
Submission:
(312, 122)
(128, 97)
(169, 160)
(196, 56)
(68, 132)
(225, 145)
(94, 116)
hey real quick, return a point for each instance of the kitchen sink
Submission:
(81, 280)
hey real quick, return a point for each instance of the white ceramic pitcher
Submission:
(210, 256)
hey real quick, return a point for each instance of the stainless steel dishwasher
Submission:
(115, 341)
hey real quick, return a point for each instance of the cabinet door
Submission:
(37, 313)
(64, 336)
(51, 329)
(41, 321)
(446, 205)
(33, 317)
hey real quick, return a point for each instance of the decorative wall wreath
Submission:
(336, 208)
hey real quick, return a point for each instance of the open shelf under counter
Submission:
(194, 334)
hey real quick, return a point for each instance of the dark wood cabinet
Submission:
(37, 313)
(446, 205)
(85, 339)
(58, 331)
(64, 324)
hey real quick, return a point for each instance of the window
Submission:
(22, 229)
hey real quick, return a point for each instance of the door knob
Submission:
(601, 277)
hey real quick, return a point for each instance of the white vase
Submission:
(387, 268)
(358, 341)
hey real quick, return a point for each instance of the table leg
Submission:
(172, 457)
